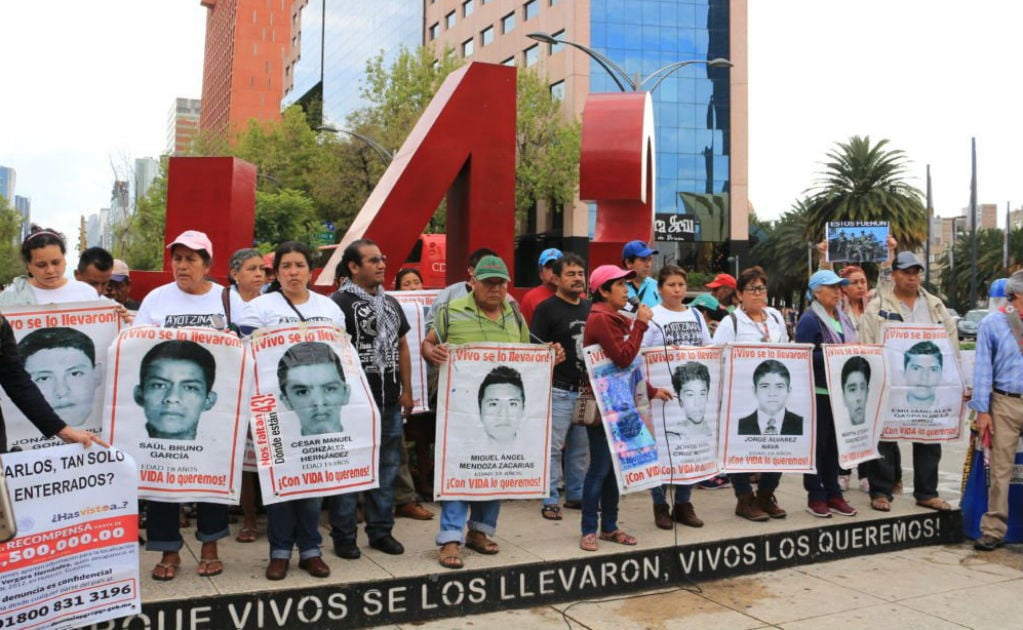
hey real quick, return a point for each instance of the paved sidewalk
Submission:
(928, 588)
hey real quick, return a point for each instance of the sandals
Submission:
(165, 571)
(208, 567)
(450, 556)
(619, 537)
(246, 535)
(935, 503)
(881, 504)
(551, 512)
(478, 542)
(588, 542)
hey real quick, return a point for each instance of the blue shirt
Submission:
(998, 362)
(647, 292)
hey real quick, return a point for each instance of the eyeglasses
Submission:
(376, 260)
(757, 289)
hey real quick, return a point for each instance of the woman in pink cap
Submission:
(620, 338)
(191, 300)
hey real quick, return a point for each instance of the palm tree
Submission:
(864, 182)
(956, 269)
(783, 255)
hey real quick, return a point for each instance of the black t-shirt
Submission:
(556, 320)
(361, 322)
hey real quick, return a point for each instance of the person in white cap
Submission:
(119, 287)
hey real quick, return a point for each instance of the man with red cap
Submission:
(722, 287)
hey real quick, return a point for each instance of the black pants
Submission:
(883, 472)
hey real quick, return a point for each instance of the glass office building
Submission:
(691, 105)
(338, 38)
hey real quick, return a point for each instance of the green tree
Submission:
(783, 254)
(284, 215)
(139, 240)
(11, 264)
(957, 270)
(865, 182)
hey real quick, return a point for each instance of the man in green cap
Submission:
(485, 314)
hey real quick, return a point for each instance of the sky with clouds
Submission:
(88, 87)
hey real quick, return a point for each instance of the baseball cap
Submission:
(120, 271)
(707, 301)
(826, 278)
(997, 289)
(491, 267)
(549, 255)
(607, 273)
(194, 240)
(907, 260)
(268, 261)
(721, 280)
(637, 249)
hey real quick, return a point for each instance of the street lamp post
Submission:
(618, 75)
(385, 156)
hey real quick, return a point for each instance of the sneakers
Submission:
(769, 504)
(662, 519)
(987, 543)
(864, 484)
(748, 509)
(843, 482)
(818, 509)
(715, 483)
(838, 505)
(685, 514)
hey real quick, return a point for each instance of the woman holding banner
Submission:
(675, 325)
(195, 301)
(825, 322)
(296, 522)
(754, 322)
(620, 338)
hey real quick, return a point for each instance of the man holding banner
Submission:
(485, 314)
(907, 302)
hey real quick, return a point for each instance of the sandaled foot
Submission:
(551, 512)
(881, 504)
(935, 503)
(478, 542)
(451, 556)
(246, 535)
(619, 537)
(208, 567)
(165, 571)
(588, 542)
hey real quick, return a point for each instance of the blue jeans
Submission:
(683, 493)
(292, 523)
(482, 517)
(741, 483)
(600, 489)
(379, 502)
(163, 529)
(573, 438)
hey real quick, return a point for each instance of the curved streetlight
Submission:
(618, 74)
(385, 156)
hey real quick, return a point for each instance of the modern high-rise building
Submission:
(8, 183)
(249, 43)
(182, 125)
(24, 207)
(337, 39)
(146, 171)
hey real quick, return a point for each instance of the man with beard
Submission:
(560, 319)
(377, 326)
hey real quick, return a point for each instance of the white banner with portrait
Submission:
(416, 304)
(75, 558)
(925, 389)
(768, 413)
(624, 404)
(315, 426)
(494, 422)
(686, 428)
(62, 347)
(858, 381)
(177, 400)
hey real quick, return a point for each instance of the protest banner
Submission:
(62, 347)
(857, 241)
(75, 558)
(315, 426)
(416, 304)
(768, 412)
(625, 415)
(925, 391)
(177, 400)
(494, 422)
(857, 376)
(686, 428)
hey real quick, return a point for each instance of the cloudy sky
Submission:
(88, 87)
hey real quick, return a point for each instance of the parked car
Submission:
(968, 323)
(955, 314)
